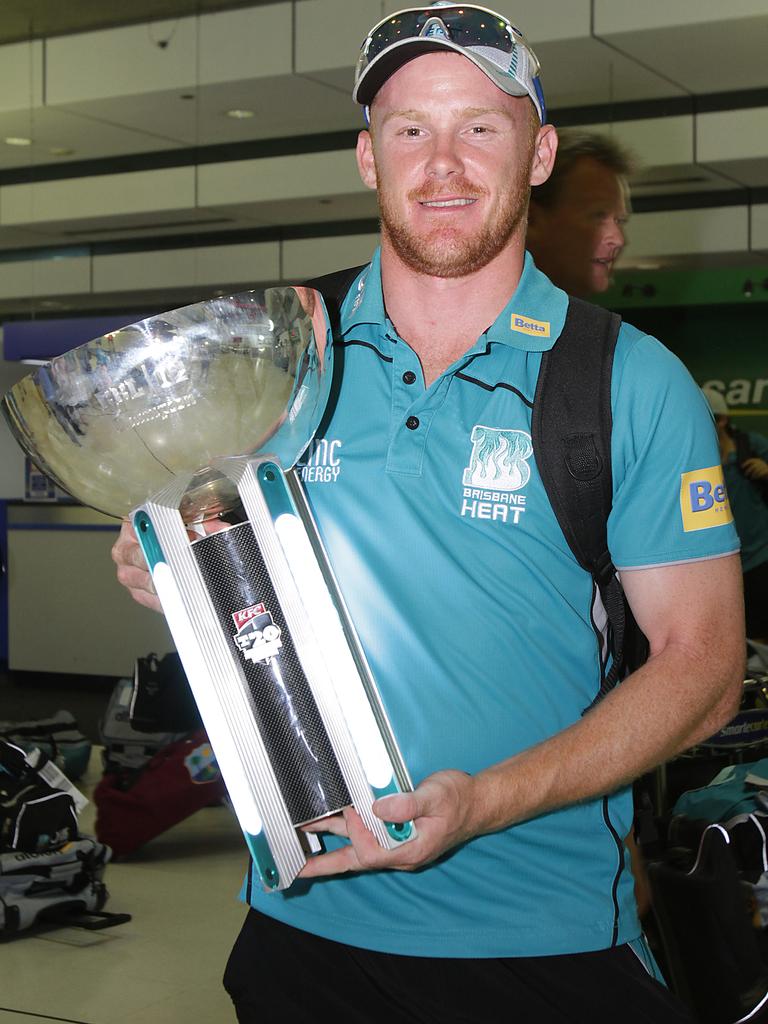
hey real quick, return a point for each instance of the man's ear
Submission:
(365, 162)
(544, 153)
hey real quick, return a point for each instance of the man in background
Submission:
(577, 217)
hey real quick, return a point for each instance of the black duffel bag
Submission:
(35, 815)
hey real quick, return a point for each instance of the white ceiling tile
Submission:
(122, 61)
(583, 72)
(710, 57)
(105, 195)
(256, 40)
(45, 277)
(329, 34)
(627, 15)
(21, 76)
(689, 232)
(87, 139)
(282, 177)
(283, 106)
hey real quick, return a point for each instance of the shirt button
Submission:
(409, 377)
(412, 422)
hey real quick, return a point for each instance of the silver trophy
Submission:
(190, 423)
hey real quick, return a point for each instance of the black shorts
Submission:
(276, 973)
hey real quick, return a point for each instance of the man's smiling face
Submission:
(451, 156)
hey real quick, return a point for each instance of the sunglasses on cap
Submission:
(466, 25)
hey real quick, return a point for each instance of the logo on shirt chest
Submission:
(498, 470)
(321, 463)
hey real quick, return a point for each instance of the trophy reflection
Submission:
(190, 423)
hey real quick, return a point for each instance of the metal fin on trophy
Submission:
(179, 420)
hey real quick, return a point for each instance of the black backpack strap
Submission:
(571, 434)
(334, 287)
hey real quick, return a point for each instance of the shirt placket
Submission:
(413, 409)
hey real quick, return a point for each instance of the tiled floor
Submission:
(165, 965)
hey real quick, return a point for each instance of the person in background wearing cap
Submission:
(577, 217)
(745, 467)
(513, 902)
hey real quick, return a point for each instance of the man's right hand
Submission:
(132, 569)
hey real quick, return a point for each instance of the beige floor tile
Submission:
(203, 1004)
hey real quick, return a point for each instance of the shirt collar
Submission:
(532, 320)
(534, 317)
(364, 302)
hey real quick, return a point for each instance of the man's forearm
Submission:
(653, 715)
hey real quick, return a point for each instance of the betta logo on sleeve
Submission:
(704, 499)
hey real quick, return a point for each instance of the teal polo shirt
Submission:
(477, 620)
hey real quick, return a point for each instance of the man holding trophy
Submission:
(514, 899)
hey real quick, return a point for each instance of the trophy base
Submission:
(285, 694)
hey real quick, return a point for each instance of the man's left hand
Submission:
(441, 808)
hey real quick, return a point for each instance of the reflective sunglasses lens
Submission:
(477, 28)
(403, 26)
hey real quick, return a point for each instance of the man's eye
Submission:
(412, 132)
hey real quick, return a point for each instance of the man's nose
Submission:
(614, 232)
(444, 158)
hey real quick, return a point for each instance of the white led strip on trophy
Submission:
(321, 644)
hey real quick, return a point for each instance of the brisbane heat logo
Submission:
(257, 637)
(498, 468)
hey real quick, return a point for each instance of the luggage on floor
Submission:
(54, 887)
(125, 747)
(736, 789)
(49, 872)
(713, 948)
(134, 806)
(58, 736)
(37, 814)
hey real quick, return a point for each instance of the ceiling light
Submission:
(61, 151)
(239, 115)
(17, 140)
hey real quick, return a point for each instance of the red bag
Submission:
(133, 807)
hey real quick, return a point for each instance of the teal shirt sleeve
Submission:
(669, 500)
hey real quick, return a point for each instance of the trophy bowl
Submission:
(116, 419)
